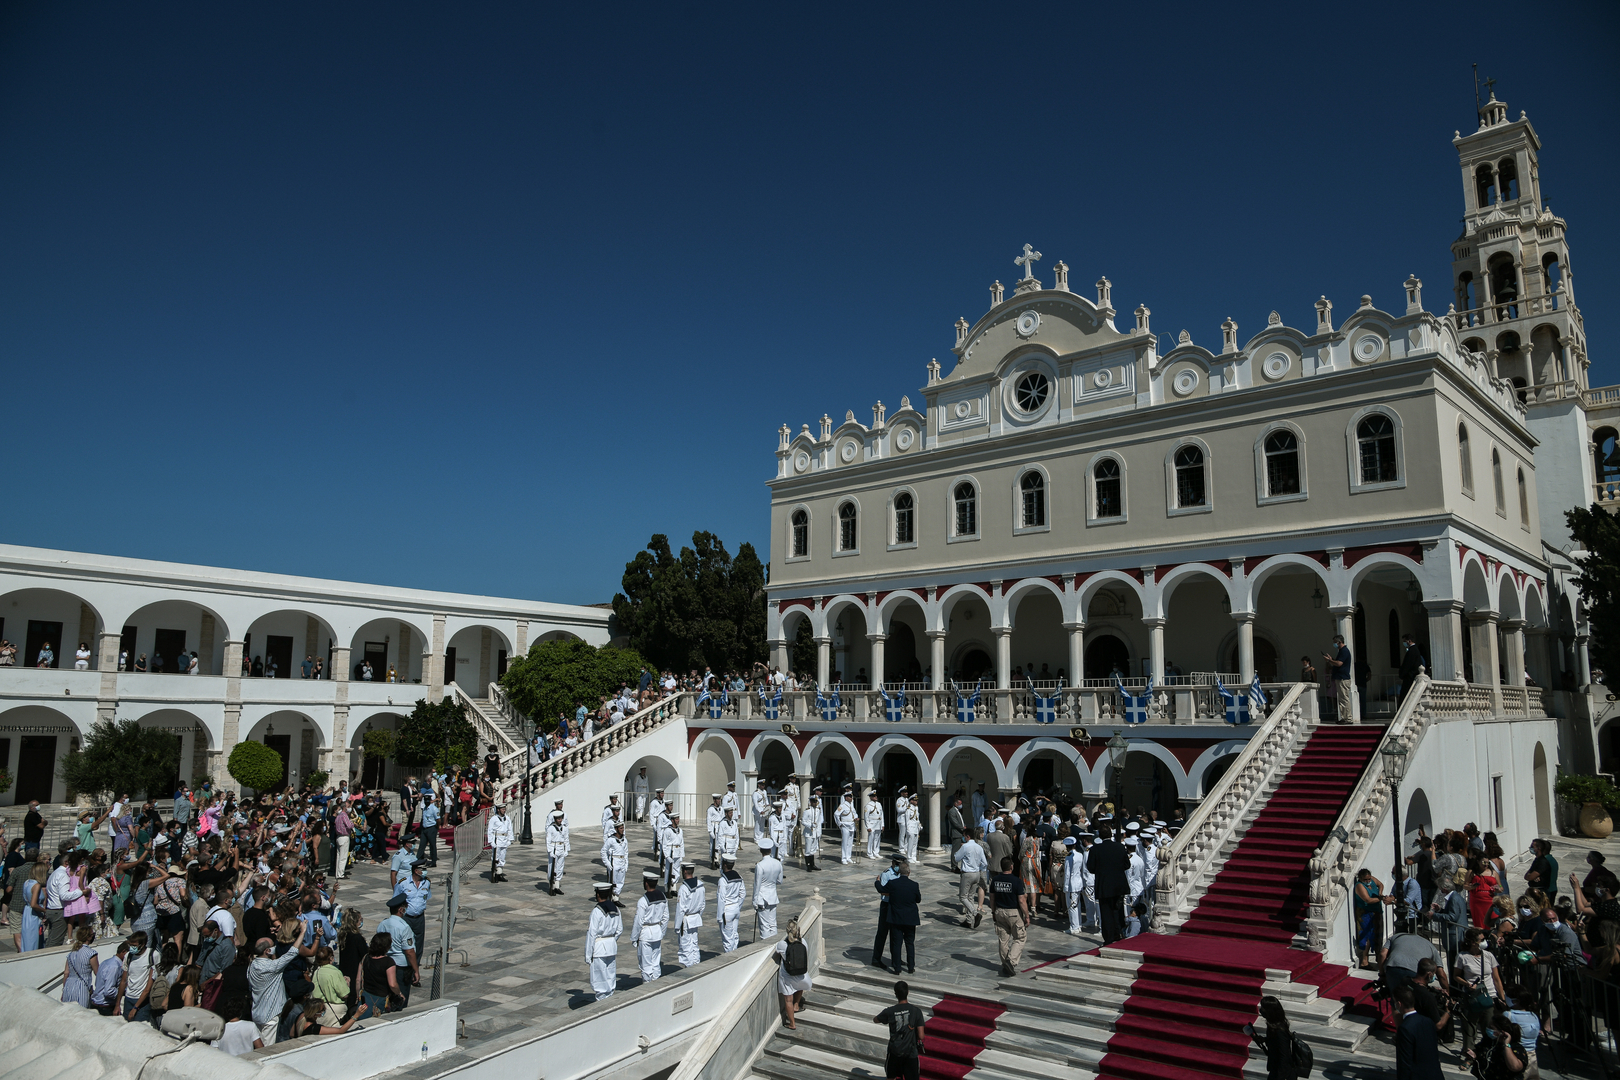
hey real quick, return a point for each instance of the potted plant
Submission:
(1596, 796)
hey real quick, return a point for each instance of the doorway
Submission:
(278, 656)
(281, 744)
(377, 654)
(36, 768)
(168, 645)
(41, 634)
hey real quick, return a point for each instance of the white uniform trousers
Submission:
(650, 954)
(729, 921)
(687, 947)
(604, 975)
(767, 920)
(846, 843)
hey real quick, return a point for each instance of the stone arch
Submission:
(79, 620)
(203, 628)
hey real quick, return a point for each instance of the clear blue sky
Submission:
(478, 297)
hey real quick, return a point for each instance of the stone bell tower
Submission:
(1516, 301)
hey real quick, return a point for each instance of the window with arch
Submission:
(1190, 478)
(966, 499)
(800, 529)
(905, 518)
(1524, 502)
(846, 527)
(1032, 500)
(1465, 456)
(1282, 463)
(1108, 496)
(1375, 445)
(1496, 479)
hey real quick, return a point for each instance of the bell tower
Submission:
(1510, 267)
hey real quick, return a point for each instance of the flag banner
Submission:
(1046, 708)
(772, 706)
(828, 705)
(894, 706)
(1237, 702)
(1136, 705)
(967, 706)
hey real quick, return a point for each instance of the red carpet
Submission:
(1195, 990)
(955, 1035)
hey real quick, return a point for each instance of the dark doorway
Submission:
(898, 767)
(36, 768)
(41, 634)
(278, 649)
(1104, 655)
(377, 653)
(168, 644)
(126, 646)
(281, 744)
(449, 665)
(973, 666)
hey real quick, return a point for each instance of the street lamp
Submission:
(1117, 749)
(1395, 758)
(527, 835)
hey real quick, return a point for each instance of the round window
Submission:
(1031, 391)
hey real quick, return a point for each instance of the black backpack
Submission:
(1304, 1060)
(796, 960)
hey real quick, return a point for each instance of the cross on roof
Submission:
(1027, 261)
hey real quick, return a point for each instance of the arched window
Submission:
(1375, 439)
(1282, 463)
(1507, 179)
(1484, 186)
(967, 510)
(905, 510)
(1032, 488)
(1190, 477)
(801, 534)
(1496, 479)
(1524, 501)
(846, 527)
(1106, 479)
(1466, 457)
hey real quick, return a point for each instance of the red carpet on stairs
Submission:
(954, 1035)
(1195, 990)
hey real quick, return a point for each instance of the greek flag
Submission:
(1046, 708)
(965, 705)
(827, 705)
(772, 705)
(1238, 703)
(893, 707)
(1136, 705)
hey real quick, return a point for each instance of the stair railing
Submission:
(1212, 824)
(559, 767)
(1334, 864)
(488, 730)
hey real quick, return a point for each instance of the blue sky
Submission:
(478, 297)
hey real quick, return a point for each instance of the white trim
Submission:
(1262, 496)
(891, 543)
(838, 549)
(1091, 490)
(1353, 450)
(809, 524)
(1020, 529)
(951, 536)
(1171, 508)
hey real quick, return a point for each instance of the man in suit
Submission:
(905, 914)
(956, 825)
(1417, 1044)
(1109, 863)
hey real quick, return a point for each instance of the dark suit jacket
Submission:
(904, 900)
(1417, 1049)
(1108, 863)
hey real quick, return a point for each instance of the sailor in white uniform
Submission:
(557, 848)
(729, 894)
(602, 941)
(652, 919)
(499, 837)
(844, 818)
(712, 817)
(767, 876)
(674, 848)
(874, 828)
(813, 819)
(616, 857)
(689, 911)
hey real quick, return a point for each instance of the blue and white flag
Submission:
(771, 705)
(828, 705)
(894, 706)
(1136, 705)
(1046, 708)
(1237, 702)
(966, 706)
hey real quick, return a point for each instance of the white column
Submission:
(877, 641)
(1155, 647)
(1077, 650)
(1245, 621)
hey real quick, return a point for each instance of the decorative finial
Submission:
(1028, 260)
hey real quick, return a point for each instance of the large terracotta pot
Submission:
(1595, 821)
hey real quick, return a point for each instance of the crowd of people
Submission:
(1483, 963)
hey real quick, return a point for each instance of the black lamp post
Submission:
(527, 835)
(1117, 749)
(1395, 757)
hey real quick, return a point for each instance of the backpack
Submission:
(1304, 1060)
(796, 960)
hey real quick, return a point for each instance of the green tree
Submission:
(557, 675)
(1598, 531)
(438, 735)
(121, 756)
(255, 765)
(698, 608)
